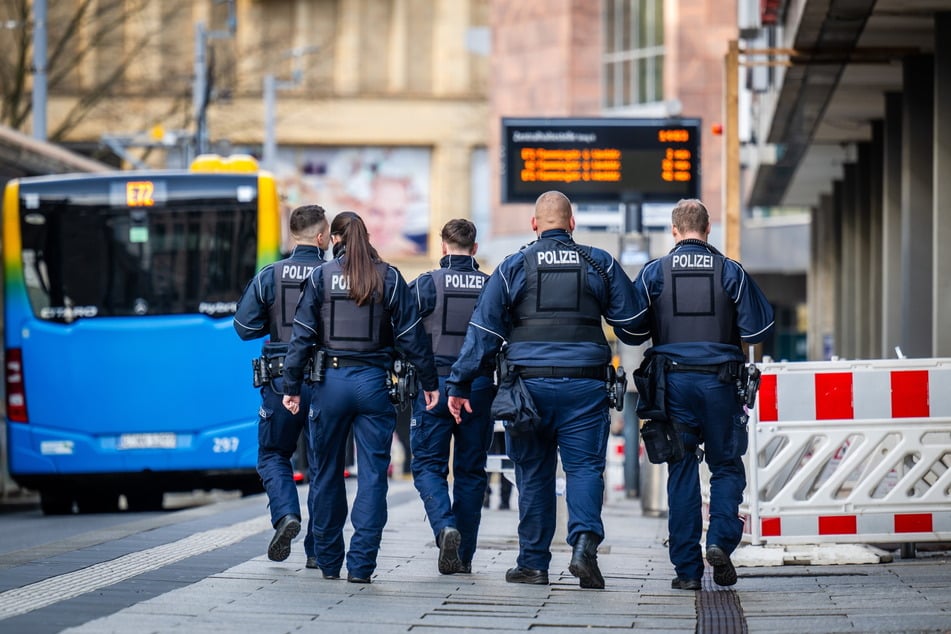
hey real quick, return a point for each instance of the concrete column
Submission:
(452, 72)
(873, 315)
(347, 47)
(821, 288)
(813, 298)
(891, 225)
(249, 75)
(838, 339)
(450, 189)
(863, 256)
(941, 210)
(305, 15)
(849, 270)
(148, 59)
(397, 55)
(917, 205)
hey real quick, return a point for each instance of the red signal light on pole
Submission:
(717, 129)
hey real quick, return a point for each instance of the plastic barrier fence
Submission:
(850, 451)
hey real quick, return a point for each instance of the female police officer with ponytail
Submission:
(355, 313)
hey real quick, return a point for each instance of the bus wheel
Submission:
(56, 502)
(251, 486)
(98, 502)
(145, 500)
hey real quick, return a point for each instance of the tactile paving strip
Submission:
(62, 587)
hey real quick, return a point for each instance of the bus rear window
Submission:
(82, 261)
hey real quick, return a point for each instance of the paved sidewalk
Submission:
(408, 594)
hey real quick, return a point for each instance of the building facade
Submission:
(428, 78)
(378, 106)
(393, 108)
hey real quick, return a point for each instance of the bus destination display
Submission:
(601, 160)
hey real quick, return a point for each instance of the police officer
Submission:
(698, 307)
(446, 298)
(267, 308)
(546, 302)
(355, 313)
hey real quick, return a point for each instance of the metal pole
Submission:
(269, 157)
(731, 230)
(199, 87)
(752, 463)
(39, 69)
(632, 443)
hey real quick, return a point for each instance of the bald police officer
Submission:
(546, 302)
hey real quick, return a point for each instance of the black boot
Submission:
(448, 543)
(584, 561)
(284, 533)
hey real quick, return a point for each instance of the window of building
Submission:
(633, 52)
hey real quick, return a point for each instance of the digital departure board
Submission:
(601, 160)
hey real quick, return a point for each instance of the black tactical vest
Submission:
(346, 326)
(456, 295)
(557, 304)
(693, 305)
(288, 277)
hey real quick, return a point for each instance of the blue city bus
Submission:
(124, 376)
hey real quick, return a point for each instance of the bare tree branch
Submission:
(85, 28)
(15, 67)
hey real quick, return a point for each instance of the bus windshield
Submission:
(97, 260)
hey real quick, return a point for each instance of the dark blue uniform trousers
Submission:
(278, 433)
(574, 421)
(706, 404)
(430, 436)
(350, 398)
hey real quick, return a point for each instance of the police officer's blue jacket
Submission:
(458, 274)
(254, 316)
(408, 334)
(493, 320)
(718, 326)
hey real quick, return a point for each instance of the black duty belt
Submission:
(683, 367)
(348, 362)
(590, 372)
(446, 370)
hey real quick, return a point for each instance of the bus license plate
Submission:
(147, 441)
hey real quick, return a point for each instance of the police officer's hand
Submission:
(431, 399)
(292, 403)
(456, 403)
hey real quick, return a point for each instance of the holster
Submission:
(317, 364)
(662, 442)
(266, 368)
(404, 389)
(616, 386)
(513, 405)
(650, 380)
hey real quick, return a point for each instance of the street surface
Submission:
(203, 569)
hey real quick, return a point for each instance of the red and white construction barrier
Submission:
(850, 452)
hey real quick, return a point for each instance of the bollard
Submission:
(653, 489)
(632, 445)
(561, 506)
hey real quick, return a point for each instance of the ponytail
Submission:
(360, 264)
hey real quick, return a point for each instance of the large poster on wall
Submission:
(388, 187)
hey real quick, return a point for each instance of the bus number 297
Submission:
(227, 444)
